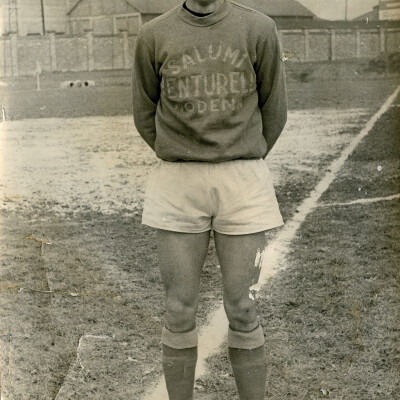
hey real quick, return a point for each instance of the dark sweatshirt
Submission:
(209, 88)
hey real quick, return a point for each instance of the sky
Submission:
(335, 9)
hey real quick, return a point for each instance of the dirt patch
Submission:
(100, 164)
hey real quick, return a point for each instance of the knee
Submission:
(181, 314)
(241, 313)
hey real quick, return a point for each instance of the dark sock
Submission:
(249, 369)
(179, 367)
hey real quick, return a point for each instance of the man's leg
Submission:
(241, 258)
(181, 257)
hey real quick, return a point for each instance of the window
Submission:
(128, 23)
(102, 26)
(79, 26)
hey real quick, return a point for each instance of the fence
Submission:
(339, 44)
(19, 55)
(59, 53)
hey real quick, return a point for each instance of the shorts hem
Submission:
(237, 232)
(248, 231)
(175, 229)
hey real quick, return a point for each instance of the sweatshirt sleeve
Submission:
(271, 86)
(146, 89)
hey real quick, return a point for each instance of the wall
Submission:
(339, 44)
(19, 55)
(59, 53)
(71, 54)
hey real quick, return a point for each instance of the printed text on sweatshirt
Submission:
(209, 88)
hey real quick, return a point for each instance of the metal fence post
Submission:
(306, 44)
(332, 55)
(125, 41)
(382, 39)
(384, 47)
(358, 43)
(90, 50)
(14, 55)
(53, 53)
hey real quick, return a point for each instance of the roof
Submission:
(278, 8)
(144, 6)
(372, 15)
(273, 8)
(154, 6)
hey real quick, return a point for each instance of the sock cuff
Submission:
(246, 340)
(178, 340)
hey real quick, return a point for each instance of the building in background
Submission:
(28, 17)
(389, 10)
(384, 11)
(113, 16)
(281, 10)
(110, 17)
(8, 17)
(305, 38)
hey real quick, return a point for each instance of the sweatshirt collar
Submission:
(208, 20)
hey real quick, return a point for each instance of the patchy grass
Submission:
(88, 319)
(373, 170)
(331, 319)
(97, 277)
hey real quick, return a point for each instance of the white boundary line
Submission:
(212, 336)
(362, 201)
(78, 359)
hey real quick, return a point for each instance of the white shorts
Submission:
(233, 197)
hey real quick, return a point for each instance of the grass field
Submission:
(81, 298)
(331, 319)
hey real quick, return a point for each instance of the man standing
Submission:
(209, 97)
